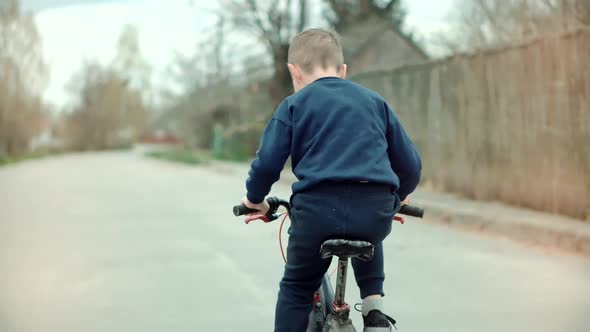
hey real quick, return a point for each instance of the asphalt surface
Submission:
(116, 242)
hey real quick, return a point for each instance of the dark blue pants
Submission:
(350, 211)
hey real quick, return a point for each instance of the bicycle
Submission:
(329, 311)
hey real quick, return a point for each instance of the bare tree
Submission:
(108, 114)
(111, 108)
(23, 75)
(218, 51)
(134, 69)
(581, 11)
(274, 22)
(207, 64)
(491, 23)
(129, 60)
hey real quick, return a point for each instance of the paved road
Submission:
(114, 242)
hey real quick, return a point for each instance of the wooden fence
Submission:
(509, 124)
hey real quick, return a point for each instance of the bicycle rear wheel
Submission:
(316, 321)
(323, 308)
(326, 296)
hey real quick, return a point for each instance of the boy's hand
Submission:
(262, 207)
(405, 202)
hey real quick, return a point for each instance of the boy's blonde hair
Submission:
(316, 48)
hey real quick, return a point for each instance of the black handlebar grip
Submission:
(240, 210)
(412, 211)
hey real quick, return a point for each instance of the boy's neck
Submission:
(321, 73)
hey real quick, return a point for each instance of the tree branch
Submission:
(302, 15)
(257, 20)
(276, 21)
(341, 11)
(289, 18)
(389, 6)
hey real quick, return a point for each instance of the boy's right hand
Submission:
(262, 206)
(405, 201)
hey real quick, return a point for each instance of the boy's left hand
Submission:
(262, 207)
(405, 201)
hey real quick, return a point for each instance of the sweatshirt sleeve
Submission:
(274, 149)
(403, 156)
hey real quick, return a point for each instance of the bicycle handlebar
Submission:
(240, 210)
(275, 203)
(412, 211)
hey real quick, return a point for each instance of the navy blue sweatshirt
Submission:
(335, 130)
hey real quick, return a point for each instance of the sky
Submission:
(75, 30)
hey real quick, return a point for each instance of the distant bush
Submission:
(181, 156)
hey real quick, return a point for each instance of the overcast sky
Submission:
(38, 5)
(73, 30)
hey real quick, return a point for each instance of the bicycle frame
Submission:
(322, 306)
(338, 320)
(330, 313)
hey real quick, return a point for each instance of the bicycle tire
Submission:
(319, 314)
(316, 321)
(326, 296)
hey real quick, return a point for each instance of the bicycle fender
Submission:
(333, 325)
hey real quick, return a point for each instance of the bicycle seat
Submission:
(347, 249)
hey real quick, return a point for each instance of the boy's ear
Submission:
(343, 70)
(295, 72)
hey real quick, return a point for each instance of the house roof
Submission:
(358, 37)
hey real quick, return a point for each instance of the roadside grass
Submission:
(9, 160)
(181, 156)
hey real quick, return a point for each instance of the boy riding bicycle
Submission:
(354, 164)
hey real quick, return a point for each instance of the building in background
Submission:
(377, 44)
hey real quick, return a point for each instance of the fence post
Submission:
(218, 140)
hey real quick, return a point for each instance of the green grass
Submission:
(181, 156)
(8, 160)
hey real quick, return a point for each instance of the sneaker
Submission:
(376, 321)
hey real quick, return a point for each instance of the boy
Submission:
(354, 164)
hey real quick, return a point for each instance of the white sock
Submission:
(371, 303)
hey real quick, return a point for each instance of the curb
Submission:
(525, 226)
(518, 224)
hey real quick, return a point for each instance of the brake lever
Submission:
(399, 219)
(262, 217)
(257, 216)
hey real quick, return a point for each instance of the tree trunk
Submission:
(281, 85)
